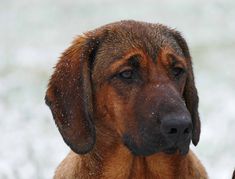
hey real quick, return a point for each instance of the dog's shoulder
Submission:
(69, 167)
(195, 167)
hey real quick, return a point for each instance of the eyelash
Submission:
(126, 74)
(178, 72)
(129, 76)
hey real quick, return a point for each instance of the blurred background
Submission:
(33, 34)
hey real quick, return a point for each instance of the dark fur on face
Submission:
(132, 79)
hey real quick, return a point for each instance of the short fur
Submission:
(110, 93)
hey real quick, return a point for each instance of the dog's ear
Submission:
(69, 94)
(190, 91)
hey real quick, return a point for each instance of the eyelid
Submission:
(120, 69)
(123, 69)
(179, 65)
(176, 61)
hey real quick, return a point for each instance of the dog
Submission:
(124, 100)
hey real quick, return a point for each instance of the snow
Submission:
(35, 33)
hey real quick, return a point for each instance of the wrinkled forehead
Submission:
(124, 38)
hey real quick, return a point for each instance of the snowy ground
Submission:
(33, 33)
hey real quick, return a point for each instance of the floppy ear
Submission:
(190, 91)
(69, 95)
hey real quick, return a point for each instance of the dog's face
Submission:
(134, 78)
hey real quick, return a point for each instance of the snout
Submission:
(177, 130)
(163, 123)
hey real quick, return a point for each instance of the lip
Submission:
(173, 150)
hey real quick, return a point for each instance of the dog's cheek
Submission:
(111, 109)
(102, 109)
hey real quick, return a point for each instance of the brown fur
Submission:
(95, 111)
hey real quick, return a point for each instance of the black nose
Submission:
(177, 129)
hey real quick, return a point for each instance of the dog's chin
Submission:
(143, 151)
(171, 150)
(174, 150)
(149, 151)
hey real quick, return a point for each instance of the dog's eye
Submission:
(127, 74)
(178, 72)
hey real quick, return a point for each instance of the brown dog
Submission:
(124, 100)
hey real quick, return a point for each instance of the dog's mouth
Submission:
(150, 147)
(172, 150)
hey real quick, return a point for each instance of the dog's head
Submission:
(135, 78)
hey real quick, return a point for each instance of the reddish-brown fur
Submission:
(94, 110)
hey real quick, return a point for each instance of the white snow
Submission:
(33, 35)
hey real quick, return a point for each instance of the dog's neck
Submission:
(111, 159)
(120, 163)
(114, 160)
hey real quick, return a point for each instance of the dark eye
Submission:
(178, 72)
(127, 74)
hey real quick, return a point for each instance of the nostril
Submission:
(176, 128)
(186, 131)
(172, 131)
